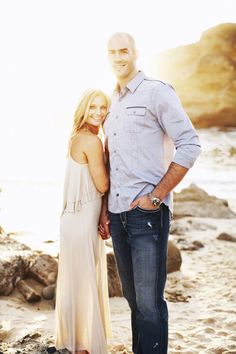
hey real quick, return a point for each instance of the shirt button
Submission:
(116, 168)
(117, 194)
(114, 151)
(114, 133)
(117, 116)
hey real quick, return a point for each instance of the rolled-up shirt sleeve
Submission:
(176, 124)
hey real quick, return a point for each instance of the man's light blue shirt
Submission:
(146, 128)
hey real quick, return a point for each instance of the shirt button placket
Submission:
(116, 143)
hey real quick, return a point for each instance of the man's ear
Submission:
(136, 54)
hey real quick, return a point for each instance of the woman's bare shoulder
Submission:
(86, 140)
(84, 137)
(91, 140)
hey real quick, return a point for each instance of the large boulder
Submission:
(30, 294)
(204, 76)
(14, 262)
(174, 259)
(42, 269)
(114, 285)
(11, 270)
(194, 201)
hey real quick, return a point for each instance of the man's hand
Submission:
(173, 176)
(143, 202)
(104, 225)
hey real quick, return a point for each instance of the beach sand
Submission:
(202, 301)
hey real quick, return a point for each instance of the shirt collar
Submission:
(134, 83)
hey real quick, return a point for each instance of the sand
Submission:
(202, 310)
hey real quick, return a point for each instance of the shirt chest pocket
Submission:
(135, 117)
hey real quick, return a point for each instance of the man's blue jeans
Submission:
(140, 239)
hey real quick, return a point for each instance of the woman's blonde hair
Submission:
(82, 111)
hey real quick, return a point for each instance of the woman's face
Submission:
(97, 111)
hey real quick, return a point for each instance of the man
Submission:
(143, 115)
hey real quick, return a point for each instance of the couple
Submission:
(144, 115)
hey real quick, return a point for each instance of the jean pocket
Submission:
(148, 211)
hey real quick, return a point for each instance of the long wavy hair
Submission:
(82, 111)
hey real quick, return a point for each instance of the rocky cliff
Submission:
(204, 76)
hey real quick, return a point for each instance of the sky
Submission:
(51, 50)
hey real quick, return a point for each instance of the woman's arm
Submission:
(93, 150)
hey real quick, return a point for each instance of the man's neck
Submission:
(124, 82)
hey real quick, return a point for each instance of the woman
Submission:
(82, 303)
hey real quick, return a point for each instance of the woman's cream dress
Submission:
(82, 303)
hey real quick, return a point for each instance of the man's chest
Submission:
(133, 115)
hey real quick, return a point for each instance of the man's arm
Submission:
(176, 124)
(173, 176)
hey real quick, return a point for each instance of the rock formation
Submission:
(194, 201)
(20, 265)
(204, 76)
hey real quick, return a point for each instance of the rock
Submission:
(174, 262)
(41, 268)
(49, 292)
(174, 259)
(176, 296)
(29, 294)
(203, 75)
(6, 287)
(52, 277)
(10, 270)
(114, 284)
(189, 246)
(198, 244)
(200, 225)
(8, 243)
(177, 229)
(226, 237)
(194, 201)
(2, 232)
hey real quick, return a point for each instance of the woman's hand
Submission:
(104, 226)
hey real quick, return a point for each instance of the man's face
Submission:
(122, 56)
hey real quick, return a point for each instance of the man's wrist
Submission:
(156, 201)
